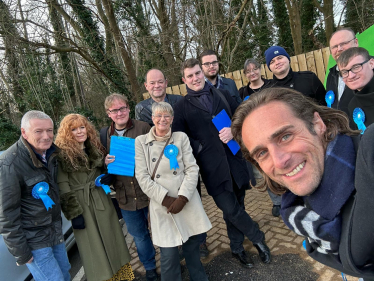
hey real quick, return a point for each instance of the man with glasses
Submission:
(155, 83)
(356, 69)
(341, 40)
(131, 199)
(210, 64)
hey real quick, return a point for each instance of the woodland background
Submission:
(64, 56)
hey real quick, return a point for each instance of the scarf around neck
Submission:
(203, 96)
(318, 216)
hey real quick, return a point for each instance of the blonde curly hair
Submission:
(70, 147)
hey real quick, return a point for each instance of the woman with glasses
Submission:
(101, 244)
(252, 70)
(167, 172)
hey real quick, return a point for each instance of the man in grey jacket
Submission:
(210, 64)
(155, 83)
(30, 212)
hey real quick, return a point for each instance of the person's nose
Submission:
(351, 74)
(280, 157)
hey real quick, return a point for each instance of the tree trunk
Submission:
(124, 54)
(293, 7)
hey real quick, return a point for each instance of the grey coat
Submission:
(170, 230)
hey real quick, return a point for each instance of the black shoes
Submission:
(263, 251)
(204, 252)
(276, 210)
(244, 259)
(151, 275)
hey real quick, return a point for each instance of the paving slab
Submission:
(290, 260)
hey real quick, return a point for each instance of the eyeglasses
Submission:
(251, 70)
(115, 111)
(214, 63)
(158, 117)
(356, 68)
(341, 45)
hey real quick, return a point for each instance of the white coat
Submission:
(170, 230)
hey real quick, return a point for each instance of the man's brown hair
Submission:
(350, 53)
(303, 108)
(190, 63)
(113, 97)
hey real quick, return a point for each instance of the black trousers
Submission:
(238, 221)
(170, 265)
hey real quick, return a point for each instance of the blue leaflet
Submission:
(221, 121)
(124, 150)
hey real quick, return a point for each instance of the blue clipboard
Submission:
(221, 121)
(124, 150)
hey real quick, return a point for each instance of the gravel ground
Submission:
(282, 267)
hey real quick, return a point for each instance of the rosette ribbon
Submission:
(171, 152)
(104, 186)
(330, 98)
(247, 97)
(359, 118)
(40, 191)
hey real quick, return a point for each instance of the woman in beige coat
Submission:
(176, 212)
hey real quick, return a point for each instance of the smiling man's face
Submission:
(284, 148)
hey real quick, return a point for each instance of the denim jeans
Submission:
(137, 225)
(50, 263)
(170, 264)
(276, 199)
(238, 222)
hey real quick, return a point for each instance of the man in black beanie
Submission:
(306, 82)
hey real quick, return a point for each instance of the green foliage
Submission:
(10, 133)
(308, 19)
(281, 20)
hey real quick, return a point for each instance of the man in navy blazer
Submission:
(210, 66)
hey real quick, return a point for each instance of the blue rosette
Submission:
(171, 152)
(330, 98)
(40, 191)
(247, 97)
(359, 118)
(104, 186)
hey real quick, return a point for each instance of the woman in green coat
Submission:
(98, 234)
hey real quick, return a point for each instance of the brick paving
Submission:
(279, 238)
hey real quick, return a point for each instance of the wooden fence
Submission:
(315, 61)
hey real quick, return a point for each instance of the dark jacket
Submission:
(128, 193)
(351, 213)
(216, 161)
(143, 110)
(229, 85)
(246, 91)
(306, 82)
(332, 85)
(25, 222)
(363, 99)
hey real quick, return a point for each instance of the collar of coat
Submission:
(95, 160)
(37, 163)
(150, 138)
(112, 130)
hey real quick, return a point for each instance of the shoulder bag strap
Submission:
(159, 159)
(223, 99)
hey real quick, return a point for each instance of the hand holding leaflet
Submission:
(221, 121)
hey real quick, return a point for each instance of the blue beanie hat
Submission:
(273, 52)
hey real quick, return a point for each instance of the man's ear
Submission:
(145, 85)
(319, 125)
(23, 132)
(184, 81)
(371, 63)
